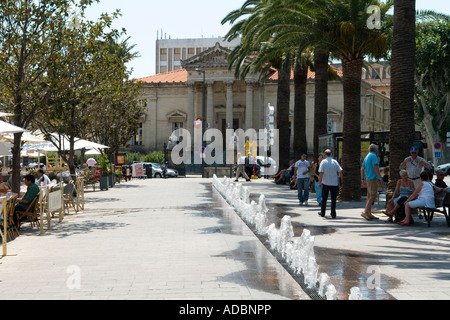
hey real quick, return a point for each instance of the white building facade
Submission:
(175, 100)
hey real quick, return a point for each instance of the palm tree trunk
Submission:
(320, 97)
(351, 149)
(402, 86)
(300, 142)
(283, 99)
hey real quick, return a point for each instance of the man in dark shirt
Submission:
(440, 179)
(22, 204)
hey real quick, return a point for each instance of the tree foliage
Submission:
(55, 68)
(433, 74)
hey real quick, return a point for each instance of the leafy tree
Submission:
(31, 33)
(432, 75)
(94, 99)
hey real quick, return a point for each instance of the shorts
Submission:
(418, 203)
(372, 188)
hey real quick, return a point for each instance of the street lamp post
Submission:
(203, 115)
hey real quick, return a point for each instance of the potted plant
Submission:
(119, 175)
(105, 169)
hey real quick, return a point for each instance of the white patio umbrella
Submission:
(5, 149)
(85, 144)
(92, 152)
(8, 128)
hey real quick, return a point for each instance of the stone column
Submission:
(210, 104)
(152, 108)
(191, 109)
(229, 113)
(249, 106)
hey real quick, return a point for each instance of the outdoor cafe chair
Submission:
(68, 196)
(7, 214)
(30, 215)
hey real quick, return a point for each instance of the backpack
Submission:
(400, 213)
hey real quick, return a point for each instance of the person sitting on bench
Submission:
(423, 196)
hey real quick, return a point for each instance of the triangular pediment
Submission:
(214, 57)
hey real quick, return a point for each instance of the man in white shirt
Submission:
(329, 174)
(43, 180)
(302, 168)
(241, 168)
(414, 166)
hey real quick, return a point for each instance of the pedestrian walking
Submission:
(302, 168)
(316, 179)
(371, 176)
(330, 172)
(241, 168)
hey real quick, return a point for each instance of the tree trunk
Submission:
(351, 149)
(402, 86)
(320, 98)
(283, 99)
(16, 163)
(300, 142)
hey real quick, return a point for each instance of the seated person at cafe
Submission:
(5, 186)
(23, 203)
(439, 182)
(43, 178)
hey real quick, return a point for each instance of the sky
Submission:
(181, 19)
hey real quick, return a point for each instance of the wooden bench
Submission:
(442, 202)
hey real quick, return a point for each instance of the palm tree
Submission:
(352, 42)
(302, 66)
(402, 85)
(255, 41)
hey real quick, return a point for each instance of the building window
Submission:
(376, 74)
(191, 52)
(163, 54)
(177, 54)
(177, 125)
(137, 139)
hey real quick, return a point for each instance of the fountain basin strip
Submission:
(296, 252)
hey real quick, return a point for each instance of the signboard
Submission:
(120, 159)
(138, 170)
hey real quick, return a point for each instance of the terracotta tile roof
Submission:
(178, 76)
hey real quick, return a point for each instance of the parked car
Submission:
(158, 173)
(444, 167)
(267, 166)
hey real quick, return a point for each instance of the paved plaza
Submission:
(177, 239)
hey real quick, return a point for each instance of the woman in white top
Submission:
(423, 196)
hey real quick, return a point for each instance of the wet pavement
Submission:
(146, 239)
(178, 239)
(385, 261)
